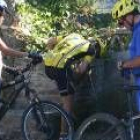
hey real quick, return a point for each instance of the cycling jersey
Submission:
(66, 48)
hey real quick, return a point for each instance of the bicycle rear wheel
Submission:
(42, 121)
(101, 126)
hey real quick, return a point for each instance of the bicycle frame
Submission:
(6, 105)
(130, 118)
(35, 109)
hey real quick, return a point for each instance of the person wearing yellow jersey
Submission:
(61, 50)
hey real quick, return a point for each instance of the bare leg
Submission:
(68, 106)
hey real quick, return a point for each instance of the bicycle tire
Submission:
(48, 126)
(105, 127)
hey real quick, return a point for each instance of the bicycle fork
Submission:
(42, 121)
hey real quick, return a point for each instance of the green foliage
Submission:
(99, 18)
(45, 18)
(35, 24)
(41, 19)
(56, 7)
(85, 2)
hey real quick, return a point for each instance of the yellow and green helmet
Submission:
(122, 8)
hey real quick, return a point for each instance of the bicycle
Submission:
(38, 118)
(72, 64)
(105, 126)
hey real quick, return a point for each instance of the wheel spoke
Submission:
(101, 127)
(42, 122)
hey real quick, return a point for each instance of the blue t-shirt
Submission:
(134, 46)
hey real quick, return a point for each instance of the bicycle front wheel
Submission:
(42, 121)
(101, 126)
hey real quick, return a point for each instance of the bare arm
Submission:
(11, 52)
(132, 63)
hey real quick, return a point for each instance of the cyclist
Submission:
(4, 49)
(128, 16)
(62, 49)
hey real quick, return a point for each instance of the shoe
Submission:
(63, 137)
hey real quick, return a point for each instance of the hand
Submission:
(36, 56)
(125, 72)
(82, 67)
(18, 69)
(120, 65)
(13, 70)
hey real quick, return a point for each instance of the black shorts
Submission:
(60, 76)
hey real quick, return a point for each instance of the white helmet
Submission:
(3, 4)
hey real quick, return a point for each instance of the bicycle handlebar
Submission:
(19, 73)
(34, 62)
(131, 87)
(15, 72)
